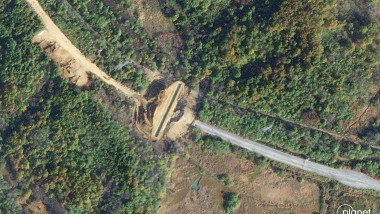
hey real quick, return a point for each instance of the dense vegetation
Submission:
(226, 180)
(304, 60)
(22, 65)
(211, 144)
(56, 137)
(73, 149)
(231, 202)
(8, 197)
(294, 140)
(291, 58)
(371, 132)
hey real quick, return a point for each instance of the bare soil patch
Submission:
(167, 103)
(77, 67)
(36, 207)
(181, 127)
(72, 68)
(182, 199)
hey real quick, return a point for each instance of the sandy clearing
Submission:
(54, 33)
(180, 128)
(71, 68)
(165, 108)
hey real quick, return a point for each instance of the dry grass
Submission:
(261, 191)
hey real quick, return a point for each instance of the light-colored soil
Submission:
(261, 191)
(180, 128)
(72, 69)
(165, 108)
(182, 199)
(79, 65)
(36, 207)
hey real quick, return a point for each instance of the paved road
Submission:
(347, 177)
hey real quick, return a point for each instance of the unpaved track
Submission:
(347, 177)
(62, 41)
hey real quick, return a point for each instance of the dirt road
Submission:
(62, 41)
(347, 177)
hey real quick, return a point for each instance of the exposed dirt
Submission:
(72, 69)
(167, 103)
(261, 191)
(36, 207)
(77, 67)
(30, 206)
(181, 127)
(70, 58)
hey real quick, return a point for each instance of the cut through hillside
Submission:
(151, 118)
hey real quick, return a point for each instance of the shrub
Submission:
(300, 180)
(227, 181)
(212, 144)
(231, 202)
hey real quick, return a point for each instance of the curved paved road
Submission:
(347, 177)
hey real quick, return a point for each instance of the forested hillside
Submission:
(300, 141)
(73, 149)
(56, 138)
(315, 62)
(23, 66)
(311, 61)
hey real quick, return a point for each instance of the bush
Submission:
(227, 181)
(300, 180)
(27, 194)
(212, 144)
(231, 202)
